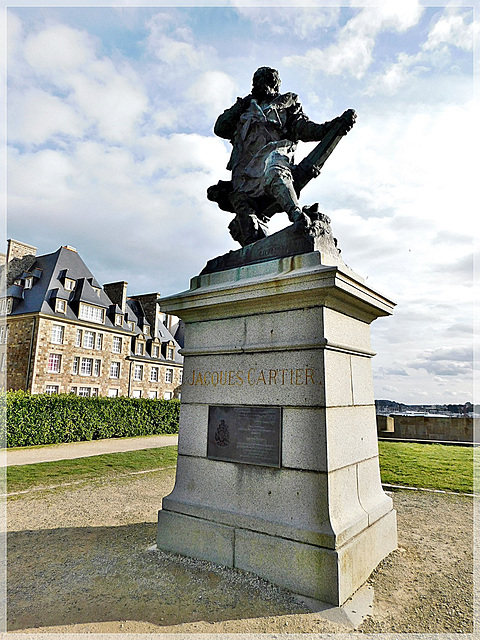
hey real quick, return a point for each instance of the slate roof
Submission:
(49, 273)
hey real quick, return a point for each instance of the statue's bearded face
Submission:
(266, 83)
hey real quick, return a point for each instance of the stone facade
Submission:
(54, 351)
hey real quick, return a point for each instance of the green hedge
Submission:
(51, 419)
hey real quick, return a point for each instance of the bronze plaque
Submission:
(250, 435)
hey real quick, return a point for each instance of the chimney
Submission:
(117, 292)
(149, 302)
(19, 250)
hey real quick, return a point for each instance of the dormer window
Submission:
(131, 325)
(69, 284)
(28, 283)
(140, 349)
(118, 320)
(91, 313)
(155, 351)
(170, 353)
(61, 305)
(97, 290)
(146, 330)
(6, 306)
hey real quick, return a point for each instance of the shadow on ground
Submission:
(78, 575)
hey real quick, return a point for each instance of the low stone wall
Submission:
(426, 428)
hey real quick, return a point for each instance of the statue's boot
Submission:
(281, 188)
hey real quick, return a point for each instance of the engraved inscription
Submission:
(250, 435)
(253, 377)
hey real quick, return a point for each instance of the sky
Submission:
(110, 149)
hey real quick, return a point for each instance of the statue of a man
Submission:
(264, 128)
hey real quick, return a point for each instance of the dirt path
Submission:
(78, 562)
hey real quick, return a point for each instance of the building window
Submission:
(54, 362)
(170, 353)
(140, 349)
(180, 376)
(3, 361)
(155, 351)
(28, 283)
(152, 395)
(6, 306)
(78, 338)
(95, 392)
(146, 330)
(115, 370)
(117, 344)
(138, 372)
(86, 367)
(113, 393)
(99, 341)
(57, 334)
(88, 339)
(3, 334)
(73, 390)
(131, 325)
(91, 313)
(84, 392)
(97, 367)
(61, 306)
(167, 395)
(51, 389)
(136, 393)
(69, 284)
(154, 374)
(76, 365)
(168, 375)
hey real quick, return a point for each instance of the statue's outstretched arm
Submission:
(308, 131)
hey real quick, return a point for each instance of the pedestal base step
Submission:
(330, 576)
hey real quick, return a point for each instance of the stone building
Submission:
(67, 334)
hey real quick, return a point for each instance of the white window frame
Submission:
(52, 389)
(86, 366)
(118, 320)
(155, 351)
(57, 334)
(88, 339)
(167, 395)
(115, 369)
(91, 313)
(153, 395)
(170, 353)
(180, 376)
(154, 374)
(87, 391)
(97, 367)
(69, 284)
(99, 341)
(113, 393)
(117, 342)
(137, 393)
(168, 376)
(78, 338)
(54, 364)
(76, 365)
(60, 305)
(140, 349)
(138, 372)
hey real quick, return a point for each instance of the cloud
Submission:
(455, 28)
(446, 361)
(215, 90)
(58, 48)
(305, 22)
(36, 116)
(352, 53)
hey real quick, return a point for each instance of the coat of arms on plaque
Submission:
(222, 437)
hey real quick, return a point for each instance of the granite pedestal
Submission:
(278, 468)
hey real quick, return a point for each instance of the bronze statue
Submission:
(264, 128)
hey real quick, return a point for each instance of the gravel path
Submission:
(79, 562)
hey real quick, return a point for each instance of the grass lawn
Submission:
(43, 474)
(430, 466)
